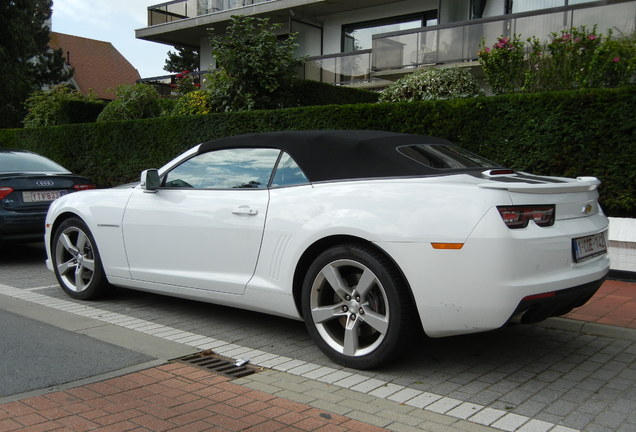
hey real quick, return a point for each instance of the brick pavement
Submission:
(172, 397)
(613, 304)
(180, 397)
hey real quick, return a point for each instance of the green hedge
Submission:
(309, 93)
(8, 138)
(574, 133)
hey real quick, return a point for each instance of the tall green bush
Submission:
(259, 67)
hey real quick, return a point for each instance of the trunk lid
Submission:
(574, 198)
(36, 191)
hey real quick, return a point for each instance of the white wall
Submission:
(622, 244)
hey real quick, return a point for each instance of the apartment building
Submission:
(373, 42)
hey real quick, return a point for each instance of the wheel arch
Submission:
(318, 247)
(59, 220)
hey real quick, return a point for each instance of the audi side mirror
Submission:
(150, 181)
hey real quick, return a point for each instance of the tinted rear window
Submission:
(440, 156)
(19, 162)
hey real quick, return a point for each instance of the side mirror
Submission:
(150, 180)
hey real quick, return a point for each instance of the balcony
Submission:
(182, 9)
(395, 54)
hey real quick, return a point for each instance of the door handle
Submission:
(245, 210)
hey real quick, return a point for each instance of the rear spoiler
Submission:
(580, 184)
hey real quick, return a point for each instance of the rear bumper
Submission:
(540, 307)
(482, 285)
(22, 227)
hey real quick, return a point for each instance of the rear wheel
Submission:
(76, 261)
(356, 306)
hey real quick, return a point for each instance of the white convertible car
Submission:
(364, 235)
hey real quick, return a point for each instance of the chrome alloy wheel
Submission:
(74, 259)
(349, 307)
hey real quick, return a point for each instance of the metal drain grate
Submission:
(210, 361)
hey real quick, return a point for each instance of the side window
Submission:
(288, 173)
(241, 168)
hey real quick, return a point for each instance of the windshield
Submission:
(24, 162)
(441, 156)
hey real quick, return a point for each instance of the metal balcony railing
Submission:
(459, 42)
(338, 68)
(181, 9)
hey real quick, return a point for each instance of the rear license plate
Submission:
(41, 196)
(584, 248)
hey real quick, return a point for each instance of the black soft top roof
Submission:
(340, 154)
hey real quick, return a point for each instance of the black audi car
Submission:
(29, 183)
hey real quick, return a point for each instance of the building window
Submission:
(358, 36)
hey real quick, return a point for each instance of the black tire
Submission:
(76, 261)
(362, 325)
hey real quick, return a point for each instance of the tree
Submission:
(185, 59)
(256, 66)
(26, 61)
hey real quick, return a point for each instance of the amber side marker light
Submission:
(447, 246)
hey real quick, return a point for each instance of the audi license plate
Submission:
(41, 196)
(584, 248)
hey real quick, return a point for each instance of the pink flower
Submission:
(592, 37)
(616, 59)
(487, 49)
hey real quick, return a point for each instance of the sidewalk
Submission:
(613, 304)
(177, 397)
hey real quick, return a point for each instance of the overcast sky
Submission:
(113, 21)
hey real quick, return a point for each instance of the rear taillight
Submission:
(81, 187)
(4, 191)
(519, 216)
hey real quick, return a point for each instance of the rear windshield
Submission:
(20, 162)
(439, 156)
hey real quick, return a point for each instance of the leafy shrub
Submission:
(194, 102)
(185, 82)
(167, 105)
(432, 84)
(574, 58)
(504, 64)
(61, 105)
(138, 101)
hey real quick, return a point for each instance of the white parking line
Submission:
(381, 389)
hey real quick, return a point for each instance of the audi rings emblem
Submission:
(44, 183)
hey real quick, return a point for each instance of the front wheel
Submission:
(356, 306)
(76, 261)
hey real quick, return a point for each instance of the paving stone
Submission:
(510, 422)
(547, 374)
(535, 426)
